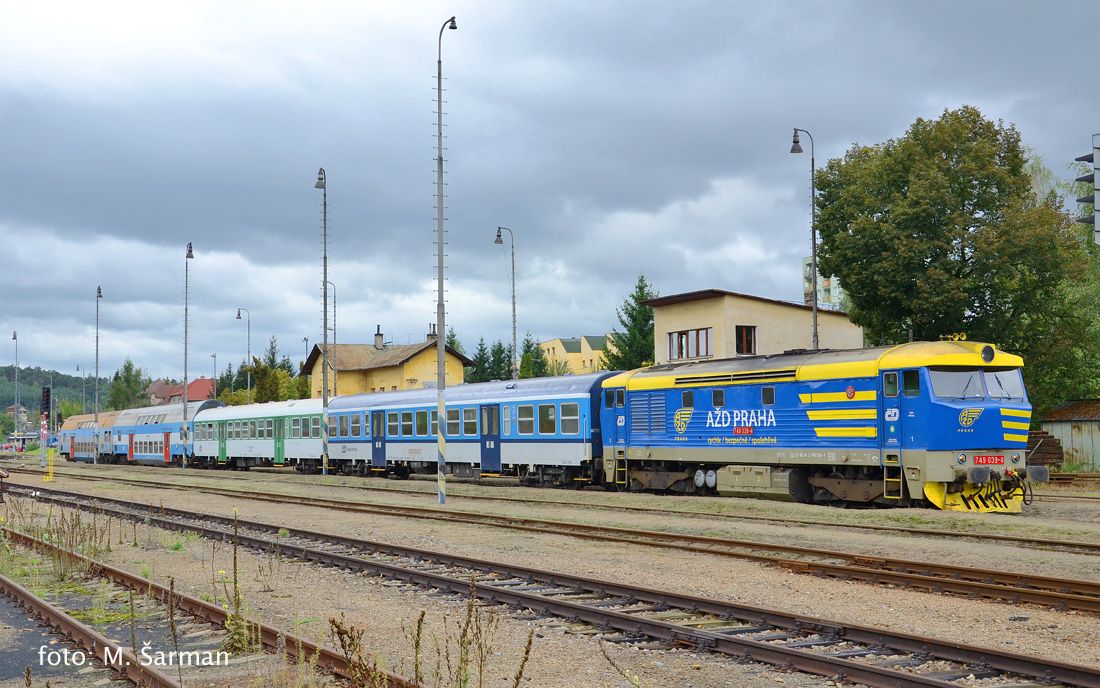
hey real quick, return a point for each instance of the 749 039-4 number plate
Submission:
(986, 459)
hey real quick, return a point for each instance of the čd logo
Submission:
(968, 416)
(681, 419)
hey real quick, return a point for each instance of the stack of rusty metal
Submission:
(1043, 449)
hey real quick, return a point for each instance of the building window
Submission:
(689, 344)
(746, 340)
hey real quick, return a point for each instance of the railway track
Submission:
(86, 639)
(208, 615)
(871, 656)
(1014, 588)
(1042, 543)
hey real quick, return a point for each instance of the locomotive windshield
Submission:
(977, 383)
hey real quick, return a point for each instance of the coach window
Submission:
(718, 398)
(620, 397)
(507, 421)
(570, 419)
(687, 399)
(548, 419)
(767, 396)
(526, 418)
(495, 418)
(454, 423)
(469, 421)
(890, 384)
(343, 426)
(910, 380)
(270, 428)
(295, 428)
(406, 423)
(332, 426)
(435, 423)
(316, 426)
(393, 424)
(376, 424)
(608, 398)
(356, 425)
(421, 422)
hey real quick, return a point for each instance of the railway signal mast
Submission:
(1093, 180)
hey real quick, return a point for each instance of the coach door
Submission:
(280, 451)
(167, 447)
(130, 448)
(490, 439)
(378, 439)
(72, 448)
(222, 428)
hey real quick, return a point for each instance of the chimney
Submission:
(379, 342)
(431, 332)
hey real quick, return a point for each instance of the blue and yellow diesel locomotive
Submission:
(944, 423)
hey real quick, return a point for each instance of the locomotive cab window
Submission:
(767, 396)
(718, 398)
(620, 397)
(608, 398)
(910, 380)
(890, 384)
(687, 400)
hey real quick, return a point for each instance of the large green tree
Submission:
(633, 346)
(532, 362)
(500, 361)
(479, 371)
(129, 387)
(941, 231)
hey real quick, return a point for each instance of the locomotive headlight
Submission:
(1016, 457)
(962, 458)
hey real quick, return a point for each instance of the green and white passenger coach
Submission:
(276, 433)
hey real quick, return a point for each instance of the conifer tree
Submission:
(633, 346)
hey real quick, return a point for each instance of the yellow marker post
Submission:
(49, 462)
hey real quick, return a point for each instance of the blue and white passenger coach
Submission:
(944, 423)
(544, 430)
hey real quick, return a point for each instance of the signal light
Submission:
(46, 402)
(1093, 191)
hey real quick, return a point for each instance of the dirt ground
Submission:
(303, 597)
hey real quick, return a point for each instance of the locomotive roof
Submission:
(292, 407)
(816, 365)
(566, 385)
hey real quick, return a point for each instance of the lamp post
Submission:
(15, 338)
(305, 340)
(95, 453)
(185, 431)
(83, 390)
(335, 372)
(500, 242)
(797, 148)
(322, 184)
(215, 378)
(440, 319)
(248, 343)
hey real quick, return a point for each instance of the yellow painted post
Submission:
(49, 461)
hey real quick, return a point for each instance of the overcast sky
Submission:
(614, 138)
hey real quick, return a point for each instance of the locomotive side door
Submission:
(490, 438)
(892, 485)
(378, 439)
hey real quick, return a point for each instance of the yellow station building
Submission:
(581, 354)
(382, 367)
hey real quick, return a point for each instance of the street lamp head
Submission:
(99, 292)
(796, 147)
(498, 241)
(452, 24)
(14, 336)
(190, 253)
(238, 314)
(320, 183)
